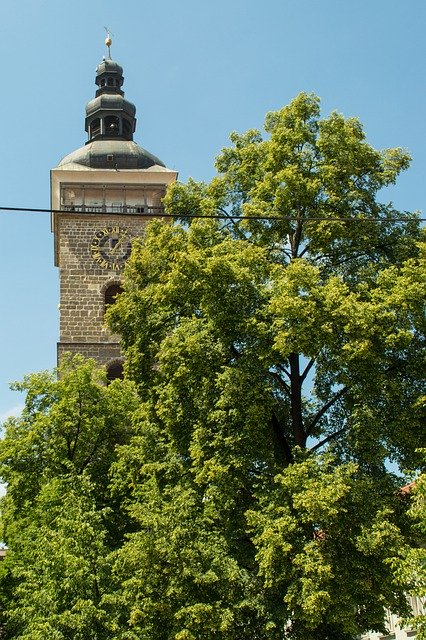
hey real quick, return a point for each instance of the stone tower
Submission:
(100, 197)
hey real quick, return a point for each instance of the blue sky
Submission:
(196, 71)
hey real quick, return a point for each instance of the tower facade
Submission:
(100, 197)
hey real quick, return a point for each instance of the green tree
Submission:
(58, 519)
(411, 568)
(277, 350)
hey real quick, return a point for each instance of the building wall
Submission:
(83, 282)
(395, 630)
(92, 209)
(82, 279)
(104, 353)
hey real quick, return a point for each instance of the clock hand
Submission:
(119, 243)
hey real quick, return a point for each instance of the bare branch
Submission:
(234, 223)
(295, 238)
(299, 430)
(327, 439)
(325, 408)
(307, 369)
(284, 370)
(305, 250)
(95, 448)
(281, 440)
(282, 383)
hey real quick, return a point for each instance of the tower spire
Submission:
(108, 41)
(110, 115)
(110, 123)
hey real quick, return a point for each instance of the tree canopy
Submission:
(275, 331)
(236, 484)
(58, 518)
(411, 567)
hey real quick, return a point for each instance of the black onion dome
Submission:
(110, 123)
(108, 66)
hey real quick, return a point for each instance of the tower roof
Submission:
(111, 154)
(110, 123)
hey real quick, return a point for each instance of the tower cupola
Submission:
(109, 115)
(110, 124)
(109, 77)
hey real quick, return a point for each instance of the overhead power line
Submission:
(218, 216)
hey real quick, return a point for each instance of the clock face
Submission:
(110, 247)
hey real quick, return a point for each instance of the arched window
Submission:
(112, 126)
(115, 371)
(111, 294)
(95, 128)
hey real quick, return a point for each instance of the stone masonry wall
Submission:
(104, 353)
(83, 282)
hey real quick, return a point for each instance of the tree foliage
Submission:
(411, 568)
(58, 518)
(275, 332)
(237, 485)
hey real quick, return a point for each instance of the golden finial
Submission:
(108, 41)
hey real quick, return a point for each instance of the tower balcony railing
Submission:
(114, 208)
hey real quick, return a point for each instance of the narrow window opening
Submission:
(95, 127)
(111, 294)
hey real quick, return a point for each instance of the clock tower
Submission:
(102, 196)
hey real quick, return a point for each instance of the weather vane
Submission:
(108, 41)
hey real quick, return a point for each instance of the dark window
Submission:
(114, 371)
(112, 126)
(110, 82)
(111, 294)
(103, 82)
(95, 128)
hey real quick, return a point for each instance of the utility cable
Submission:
(211, 216)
